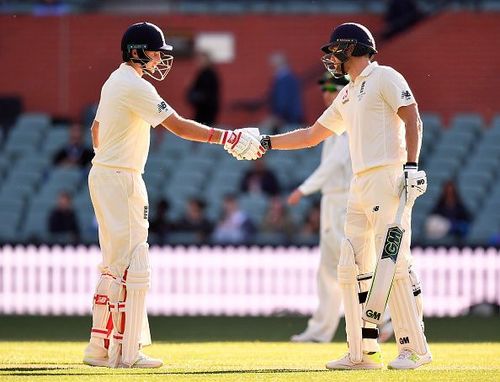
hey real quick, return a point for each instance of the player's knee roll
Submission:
(347, 269)
(139, 272)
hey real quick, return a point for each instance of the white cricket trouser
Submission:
(323, 324)
(120, 203)
(372, 205)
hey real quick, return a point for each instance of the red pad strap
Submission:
(101, 299)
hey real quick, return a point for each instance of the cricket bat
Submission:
(385, 269)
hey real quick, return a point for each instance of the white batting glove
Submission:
(414, 182)
(243, 144)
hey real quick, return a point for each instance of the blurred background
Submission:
(57, 54)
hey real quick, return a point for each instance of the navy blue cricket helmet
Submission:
(144, 37)
(346, 40)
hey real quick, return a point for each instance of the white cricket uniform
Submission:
(332, 178)
(367, 109)
(128, 107)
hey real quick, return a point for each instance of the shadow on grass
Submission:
(38, 371)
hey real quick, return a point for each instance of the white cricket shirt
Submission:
(334, 174)
(367, 110)
(128, 107)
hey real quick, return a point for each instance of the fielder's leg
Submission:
(364, 350)
(96, 353)
(324, 322)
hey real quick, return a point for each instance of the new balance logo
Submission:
(405, 94)
(162, 106)
(404, 340)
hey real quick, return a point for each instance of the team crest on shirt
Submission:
(362, 91)
(162, 106)
(345, 96)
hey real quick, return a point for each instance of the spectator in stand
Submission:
(203, 94)
(63, 219)
(260, 179)
(277, 220)
(235, 227)
(51, 8)
(451, 214)
(75, 153)
(160, 225)
(285, 96)
(194, 220)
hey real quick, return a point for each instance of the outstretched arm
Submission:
(191, 130)
(300, 138)
(240, 144)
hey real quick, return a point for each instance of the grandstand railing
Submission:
(229, 281)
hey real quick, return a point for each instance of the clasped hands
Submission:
(243, 144)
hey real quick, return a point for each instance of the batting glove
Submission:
(414, 182)
(243, 144)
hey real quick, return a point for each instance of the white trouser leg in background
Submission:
(324, 322)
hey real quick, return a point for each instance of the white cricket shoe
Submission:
(145, 362)
(96, 361)
(306, 336)
(408, 359)
(369, 361)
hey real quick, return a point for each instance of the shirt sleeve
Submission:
(332, 119)
(145, 101)
(395, 90)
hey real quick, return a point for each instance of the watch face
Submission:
(266, 142)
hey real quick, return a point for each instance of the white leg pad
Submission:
(137, 284)
(351, 285)
(406, 317)
(102, 324)
(117, 309)
(417, 293)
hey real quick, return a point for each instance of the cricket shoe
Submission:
(372, 360)
(307, 337)
(96, 361)
(408, 359)
(145, 362)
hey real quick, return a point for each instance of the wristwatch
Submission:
(265, 142)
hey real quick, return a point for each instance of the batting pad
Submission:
(406, 319)
(348, 280)
(102, 325)
(137, 285)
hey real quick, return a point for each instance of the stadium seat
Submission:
(467, 122)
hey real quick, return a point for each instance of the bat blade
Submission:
(383, 277)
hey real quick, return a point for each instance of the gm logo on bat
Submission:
(392, 243)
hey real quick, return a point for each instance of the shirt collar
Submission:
(124, 66)
(369, 69)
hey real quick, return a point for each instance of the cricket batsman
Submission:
(380, 114)
(128, 107)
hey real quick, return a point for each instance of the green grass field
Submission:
(239, 349)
